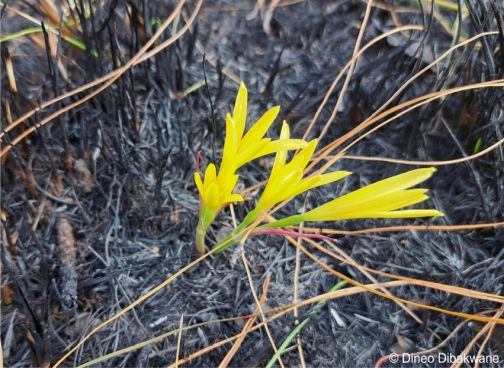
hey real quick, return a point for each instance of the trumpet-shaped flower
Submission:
(240, 148)
(216, 189)
(383, 199)
(215, 193)
(286, 179)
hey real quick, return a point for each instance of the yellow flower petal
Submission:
(371, 210)
(304, 156)
(231, 140)
(276, 188)
(282, 145)
(259, 129)
(406, 214)
(212, 199)
(199, 182)
(343, 208)
(210, 173)
(386, 186)
(253, 151)
(317, 181)
(234, 198)
(240, 110)
(281, 155)
(382, 199)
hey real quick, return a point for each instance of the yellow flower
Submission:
(286, 179)
(240, 149)
(216, 189)
(214, 193)
(382, 199)
(285, 182)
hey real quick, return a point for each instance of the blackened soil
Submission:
(112, 179)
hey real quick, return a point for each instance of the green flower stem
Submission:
(288, 221)
(200, 237)
(207, 215)
(233, 238)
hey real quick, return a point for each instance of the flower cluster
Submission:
(383, 199)
(216, 188)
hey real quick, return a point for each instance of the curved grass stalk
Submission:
(475, 294)
(410, 104)
(397, 299)
(277, 313)
(297, 330)
(447, 54)
(346, 83)
(397, 93)
(343, 257)
(426, 163)
(138, 58)
(407, 83)
(434, 285)
(401, 228)
(112, 74)
(347, 66)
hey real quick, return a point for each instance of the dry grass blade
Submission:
(402, 228)
(488, 327)
(425, 163)
(114, 74)
(256, 299)
(443, 56)
(357, 54)
(487, 337)
(410, 104)
(231, 353)
(434, 285)
(135, 60)
(358, 42)
(347, 65)
(179, 339)
(332, 295)
(414, 281)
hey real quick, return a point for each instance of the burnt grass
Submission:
(100, 205)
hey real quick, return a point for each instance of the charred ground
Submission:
(112, 179)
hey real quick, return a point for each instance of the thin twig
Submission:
(179, 339)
